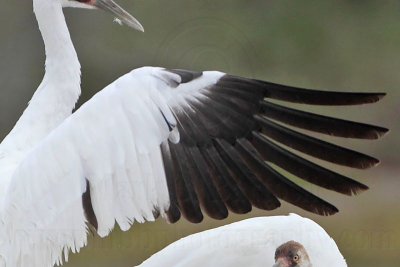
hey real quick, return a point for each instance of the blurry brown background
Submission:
(341, 45)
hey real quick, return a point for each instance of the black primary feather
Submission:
(315, 147)
(321, 124)
(230, 134)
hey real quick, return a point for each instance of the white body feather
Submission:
(250, 242)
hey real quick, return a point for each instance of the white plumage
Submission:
(155, 141)
(250, 242)
(119, 154)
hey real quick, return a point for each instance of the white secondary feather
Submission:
(113, 141)
(250, 242)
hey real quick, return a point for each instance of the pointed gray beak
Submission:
(119, 13)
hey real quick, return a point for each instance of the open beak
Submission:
(119, 13)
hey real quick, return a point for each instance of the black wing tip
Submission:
(326, 209)
(319, 97)
(366, 163)
(381, 132)
(313, 146)
(240, 209)
(219, 217)
(354, 189)
(370, 98)
(362, 162)
(310, 96)
(173, 214)
(329, 212)
(374, 134)
(379, 96)
(321, 209)
(194, 218)
(318, 123)
(268, 206)
(359, 189)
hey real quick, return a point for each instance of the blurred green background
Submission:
(341, 45)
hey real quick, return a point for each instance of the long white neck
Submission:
(56, 96)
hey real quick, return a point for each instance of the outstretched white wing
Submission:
(173, 142)
(112, 143)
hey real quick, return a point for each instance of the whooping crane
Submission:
(157, 141)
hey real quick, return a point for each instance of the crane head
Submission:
(109, 6)
(291, 254)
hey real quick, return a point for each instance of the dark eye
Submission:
(296, 257)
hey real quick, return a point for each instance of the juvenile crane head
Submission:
(109, 6)
(291, 254)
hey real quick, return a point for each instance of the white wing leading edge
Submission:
(173, 142)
